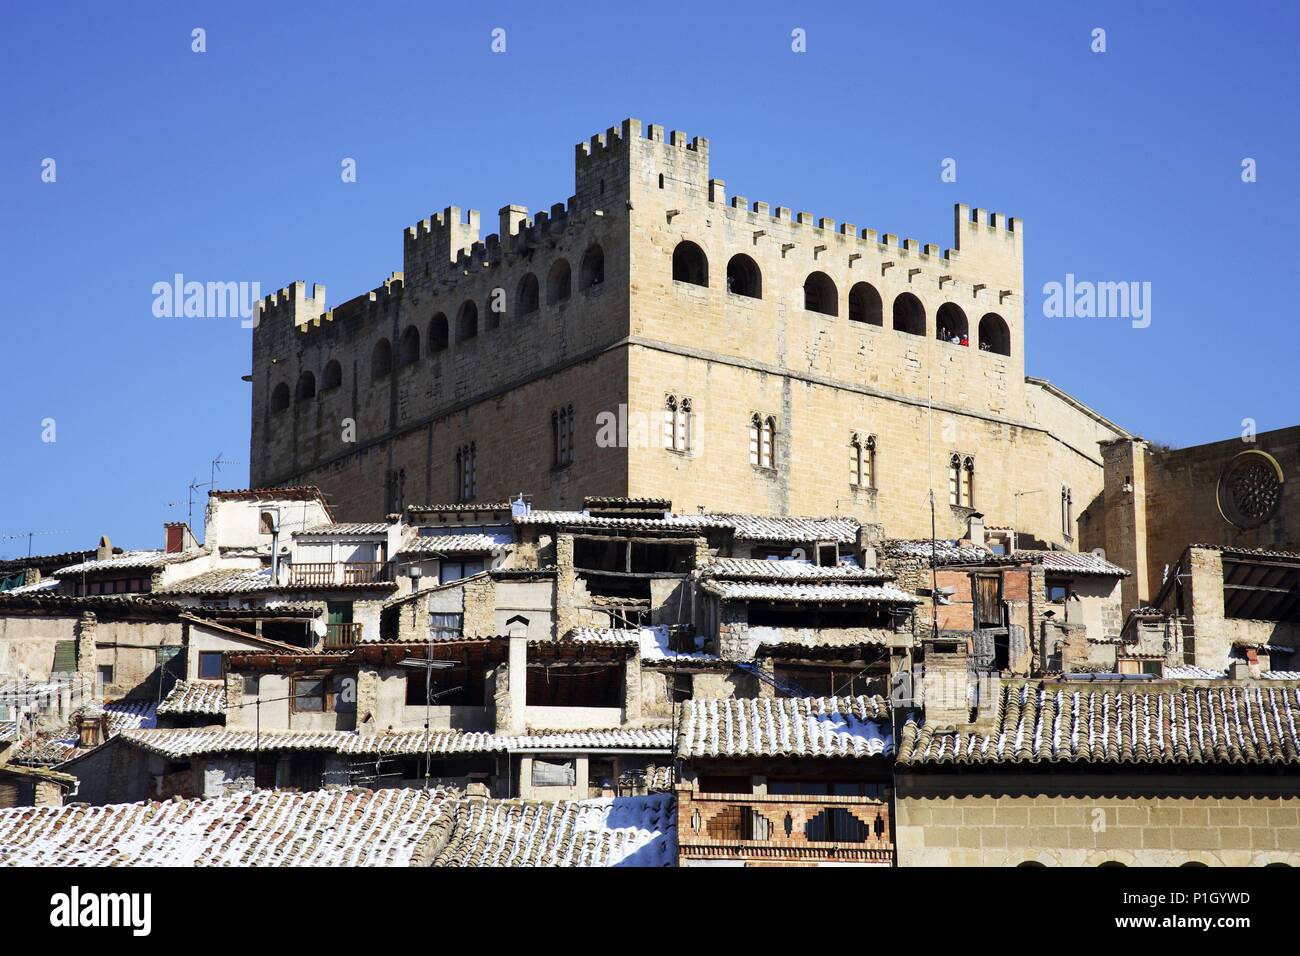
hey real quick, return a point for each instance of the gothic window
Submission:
(1067, 511)
(396, 490)
(862, 461)
(762, 441)
(563, 439)
(677, 424)
(968, 483)
(466, 472)
(954, 480)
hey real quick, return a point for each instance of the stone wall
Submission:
(620, 347)
(943, 821)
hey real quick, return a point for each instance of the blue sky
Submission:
(225, 166)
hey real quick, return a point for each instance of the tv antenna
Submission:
(31, 534)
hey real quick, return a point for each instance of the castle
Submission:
(655, 337)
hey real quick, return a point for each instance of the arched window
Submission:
(968, 481)
(280, 397)
(439, 334)
(954, 480)
(467, 321)
(409, 350)
(994, 335)
(677, 423)
(559, 282)
(820, 294)
(744, 277)
(762, 441)
(306, 386)
(909, 314)
(495, 307)
(529, 295)
(381, 359)
(950, 324)
(865, 305)
(862, 461)
(266, 523)
(690, 264)
(1067, 512)
(592, 271)
(332, 377)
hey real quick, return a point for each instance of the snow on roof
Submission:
(612, 831)
(456, 544)
(1227, 722)
(340, 828)
(653, 641)
(799, 591)
(762, 569)
(344, 528)
(790, 529)
(48, 749)
(785, 529)
(129, 560)
(786, 727)
(223, 581)
(190, 697)
(1071, 562)
(184, 742)
(1190, 672)
(945, 552)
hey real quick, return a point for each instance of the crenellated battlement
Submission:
(291, 305)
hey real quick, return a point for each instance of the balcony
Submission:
(342, 635)
(776, 830)
(337, 574)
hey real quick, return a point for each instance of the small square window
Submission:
(210, 665)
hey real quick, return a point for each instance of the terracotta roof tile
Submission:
(614, 831)
(1224, 723)
(337, 828)
(786, 727)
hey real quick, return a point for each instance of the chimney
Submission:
(92, 730)
(946, 680)
(105, 549)
(976, 530)
(510, 715)
(177, 537)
